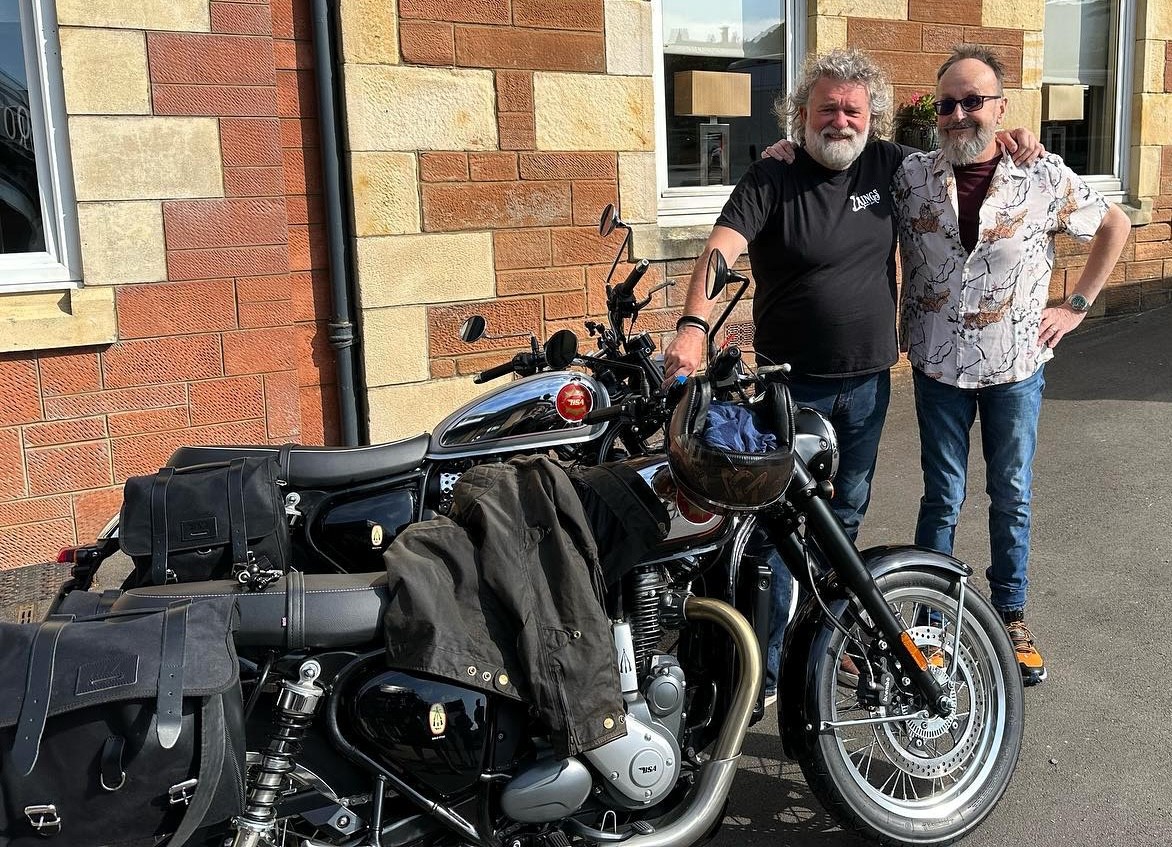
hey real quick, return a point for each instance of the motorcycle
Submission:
(346, 505)
(900, 696)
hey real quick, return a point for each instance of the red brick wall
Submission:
(543, 207)
(233, 347)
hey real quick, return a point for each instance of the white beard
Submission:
(837, 149)
(962, 149)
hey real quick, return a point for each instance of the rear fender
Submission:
(808, 637)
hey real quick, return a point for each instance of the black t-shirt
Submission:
(822, 249)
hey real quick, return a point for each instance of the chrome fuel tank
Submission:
(691, 528)
(534, 413)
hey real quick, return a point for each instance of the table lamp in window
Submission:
(713, 95)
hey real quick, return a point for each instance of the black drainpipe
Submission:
(341, 327)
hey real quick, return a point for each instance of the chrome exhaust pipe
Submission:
(694, 820)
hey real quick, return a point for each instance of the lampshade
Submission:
(1062, 102)
(712, 94)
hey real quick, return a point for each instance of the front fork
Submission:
(842, 555)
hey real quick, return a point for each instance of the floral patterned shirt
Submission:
(971, 319)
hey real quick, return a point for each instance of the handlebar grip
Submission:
(494, 372)
(606, 413)
(724, 363)
(625, 287)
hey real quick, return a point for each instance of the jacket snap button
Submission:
(577, 634)
(486, 676)
(471, 671)
(502, 680)
(608, 723)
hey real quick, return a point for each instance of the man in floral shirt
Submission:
(977, 243)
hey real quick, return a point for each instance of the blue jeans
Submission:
(781, 597)
(1009, 435)
(856, 407)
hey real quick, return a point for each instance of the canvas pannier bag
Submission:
(123, 729)
(205, 522)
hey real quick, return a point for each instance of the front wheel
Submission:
(927, 779)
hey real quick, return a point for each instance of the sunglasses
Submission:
(972, 103)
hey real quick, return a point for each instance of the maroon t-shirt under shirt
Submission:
(972, 185)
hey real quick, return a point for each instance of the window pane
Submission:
(1078, 84)
(743, 38)
(21, 222)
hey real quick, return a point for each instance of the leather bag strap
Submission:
(169, 708)
(212, 755)
(237, 527)
(283, 456)
(34, 709)
(294, 610)
(159, 526)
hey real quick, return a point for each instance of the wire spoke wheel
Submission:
(916, 778)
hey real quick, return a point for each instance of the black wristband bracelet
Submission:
(692, 320)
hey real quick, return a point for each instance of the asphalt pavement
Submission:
(1096, 762)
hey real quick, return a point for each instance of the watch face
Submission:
(1079, 303)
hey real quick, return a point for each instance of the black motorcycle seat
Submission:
(301, 610)
(320, 467)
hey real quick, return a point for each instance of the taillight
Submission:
(67, 555)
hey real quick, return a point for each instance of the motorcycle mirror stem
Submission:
(719, 275)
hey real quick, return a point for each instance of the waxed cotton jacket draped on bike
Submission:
(506, 596)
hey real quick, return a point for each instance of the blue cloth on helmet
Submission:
(734, 427)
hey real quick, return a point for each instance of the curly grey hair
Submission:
(845, 65)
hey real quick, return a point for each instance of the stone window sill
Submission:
(52, 320)
(659, 243)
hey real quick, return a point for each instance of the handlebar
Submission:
(725, 363)
(495, 371)
(606, 413)
(624, 288)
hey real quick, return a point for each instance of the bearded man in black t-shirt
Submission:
(821, 237)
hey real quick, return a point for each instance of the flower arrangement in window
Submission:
(920, 109)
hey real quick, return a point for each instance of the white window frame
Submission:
(1113, 186)
(688, 206)
(59, 265)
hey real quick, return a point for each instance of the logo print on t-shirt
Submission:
(862, 201)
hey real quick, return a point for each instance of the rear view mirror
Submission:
(473, 329)
(716, 276)
(609, 221)
(561, 349)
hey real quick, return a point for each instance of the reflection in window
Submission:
(21, 222)
(719, 120)
(1078, 83)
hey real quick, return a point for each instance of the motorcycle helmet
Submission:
(727, 480)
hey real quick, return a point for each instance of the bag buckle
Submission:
(182, 792)
(43, 819)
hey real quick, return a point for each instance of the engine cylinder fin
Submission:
(647, 583)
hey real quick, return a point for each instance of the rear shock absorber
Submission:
(291, 717)
(647, 583)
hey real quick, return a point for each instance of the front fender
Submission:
(808, 636)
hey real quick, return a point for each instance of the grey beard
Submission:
(836, 155)
(961, 151)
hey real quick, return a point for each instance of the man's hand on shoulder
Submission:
(783, 150)
(1022, 145)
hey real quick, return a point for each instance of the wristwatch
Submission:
(1077, 302)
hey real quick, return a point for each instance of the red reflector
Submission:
(574, 402)
(690, 511)
(67, 555)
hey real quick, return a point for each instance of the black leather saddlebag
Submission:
(121, 729)
(205, 522)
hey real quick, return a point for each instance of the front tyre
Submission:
(926, 780)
